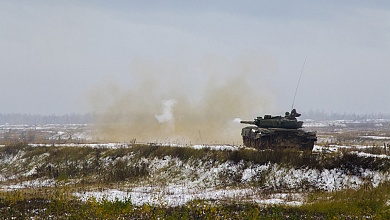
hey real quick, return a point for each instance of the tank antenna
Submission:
(296, 89)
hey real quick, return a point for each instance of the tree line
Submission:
(320, 115)
(37, 119)
(89, 118)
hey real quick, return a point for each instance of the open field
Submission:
(58, 172)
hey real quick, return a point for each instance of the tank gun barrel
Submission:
(248, 122)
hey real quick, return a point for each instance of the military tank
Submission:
(277, 132)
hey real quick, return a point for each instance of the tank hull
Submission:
(278, 138)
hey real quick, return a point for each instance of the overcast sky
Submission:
(54, 54)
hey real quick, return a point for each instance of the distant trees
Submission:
(322, 115)
(36, 119)
(89, 118)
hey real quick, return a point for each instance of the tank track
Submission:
(263, 139)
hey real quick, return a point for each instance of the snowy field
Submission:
(185, 181)
(174, 182)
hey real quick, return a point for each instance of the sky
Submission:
(59, 57)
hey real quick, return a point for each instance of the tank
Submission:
(277, 132)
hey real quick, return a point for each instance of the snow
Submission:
(29, 173)
(321, 124)
(362, 154)
(8, 159)
(183, 181)
(202, 180)
(37, 183)
(175, 182)
(335, 148)
(177, 195)
(126, 145)
(328, 149)
(376, 137)
(102, 145)
(251, 172)
(216, 147)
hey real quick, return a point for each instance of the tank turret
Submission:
(289, 121)
(274, 132)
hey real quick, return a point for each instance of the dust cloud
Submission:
(183, 102)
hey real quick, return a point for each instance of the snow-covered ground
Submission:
(208, 185)
(174, 182)
(99, 145)
(336, 148)
(36, 183)
(376, 137)
(50, 132)
(346, 123)
(176, 195)
(127, 145)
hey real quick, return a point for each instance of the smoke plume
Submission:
(183, 102)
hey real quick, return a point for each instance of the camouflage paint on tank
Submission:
(277, 132)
